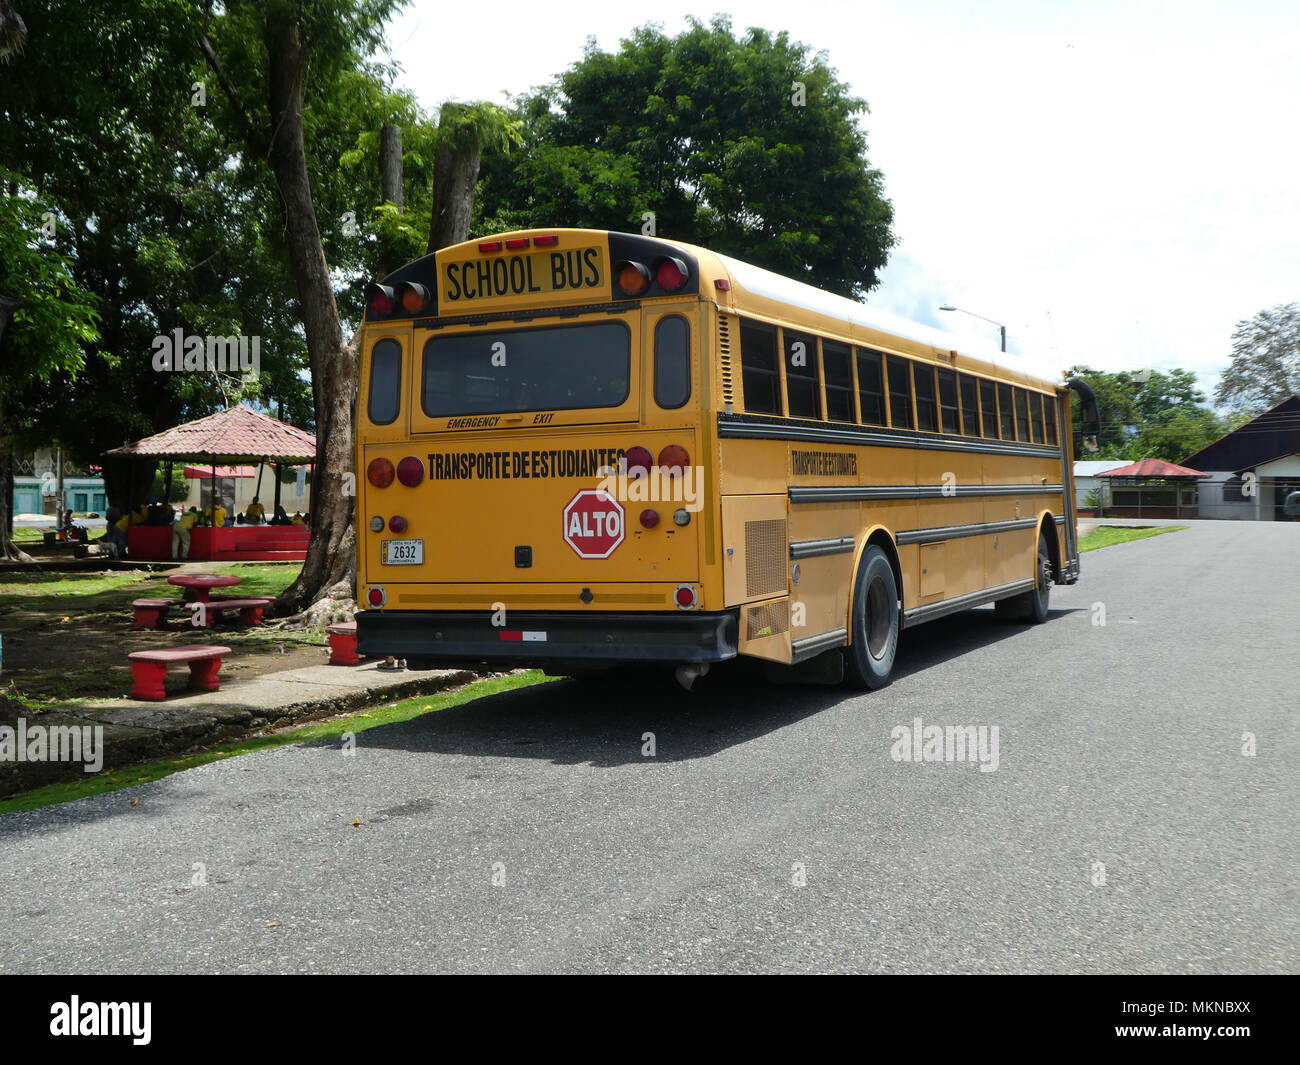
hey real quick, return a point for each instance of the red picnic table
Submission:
(203, 583)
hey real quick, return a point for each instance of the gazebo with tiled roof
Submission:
(238, 434)
(1152, 488)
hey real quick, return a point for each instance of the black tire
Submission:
(1031, 607)
(873, 623)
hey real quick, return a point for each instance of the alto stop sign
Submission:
(593, 523)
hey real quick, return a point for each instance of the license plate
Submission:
(401, 552)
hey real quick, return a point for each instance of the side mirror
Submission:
(1091, 425)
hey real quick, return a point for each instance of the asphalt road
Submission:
(1119, 744)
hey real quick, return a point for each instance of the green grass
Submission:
(332, 729)
(1107, 535)
(25, 535)
(270, 579)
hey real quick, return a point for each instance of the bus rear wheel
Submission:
(873, 636)
(1031, 607)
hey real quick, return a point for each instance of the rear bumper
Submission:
(547, 638)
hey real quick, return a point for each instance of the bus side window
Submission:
(1022, 415)
(947, 401)
(923, 374)
(801, 385)
(898, 374)
(989, 409)
(970, 406)
(871, 387)
(1036, 416)
(1005, 416)
(762, 385)
(838, 369)
(672, 362)
(1049, 406)
(384, 393)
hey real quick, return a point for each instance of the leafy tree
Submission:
(1156, 416)
(45, 318)
(1265, 366)
(749, 146)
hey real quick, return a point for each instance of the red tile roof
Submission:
(229, 435)
(1152, 468)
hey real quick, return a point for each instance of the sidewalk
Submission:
(138, 731)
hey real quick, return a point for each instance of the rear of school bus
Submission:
(535, 474)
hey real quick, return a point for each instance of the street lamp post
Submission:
(1002, 329)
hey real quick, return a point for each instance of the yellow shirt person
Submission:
(255, 510)
(217, 516)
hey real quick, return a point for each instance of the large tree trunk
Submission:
(455, 173)
(330, 566)
(8, 549)
(390, 163)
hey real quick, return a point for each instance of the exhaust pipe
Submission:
(689, 673)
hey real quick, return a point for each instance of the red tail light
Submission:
(685, 596)
(632, 278)
(415, 298)
(639, 460)
(410, 471)
(380, 473)
(397, 524)
(380, 300)
(376, 596)
(649, 518)
(674, 459)
(671, 273)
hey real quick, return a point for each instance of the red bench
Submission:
(343, 644)
(250, 610)
(152, 613)
(149, 669)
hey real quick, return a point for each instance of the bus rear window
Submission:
(565, 367)
(385, 388)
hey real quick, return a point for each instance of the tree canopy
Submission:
(746, 145)
(1265, 363)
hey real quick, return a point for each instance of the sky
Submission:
(1116, 182)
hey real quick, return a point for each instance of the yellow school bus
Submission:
(578, 449)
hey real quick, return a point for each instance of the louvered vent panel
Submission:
(724, 360)
(765, 554)
(767, 619)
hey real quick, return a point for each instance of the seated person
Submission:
(117, 536)
(254, 512)
(281, 518)
(298, 519)
(215, 516)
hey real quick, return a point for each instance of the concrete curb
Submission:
(136, 732)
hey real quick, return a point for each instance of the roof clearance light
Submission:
(489, 245)
(380, 473)
(548, 241)
(722, 284)
(633, 278)
(639, 460)
(379, 298)
(410, 471)
(671, 273)
(415, 297)
(674, 459)
(515, 243)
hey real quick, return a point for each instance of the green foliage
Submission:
(1161, 417)
(1265, 366)
(703, 130)
(55, 313)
